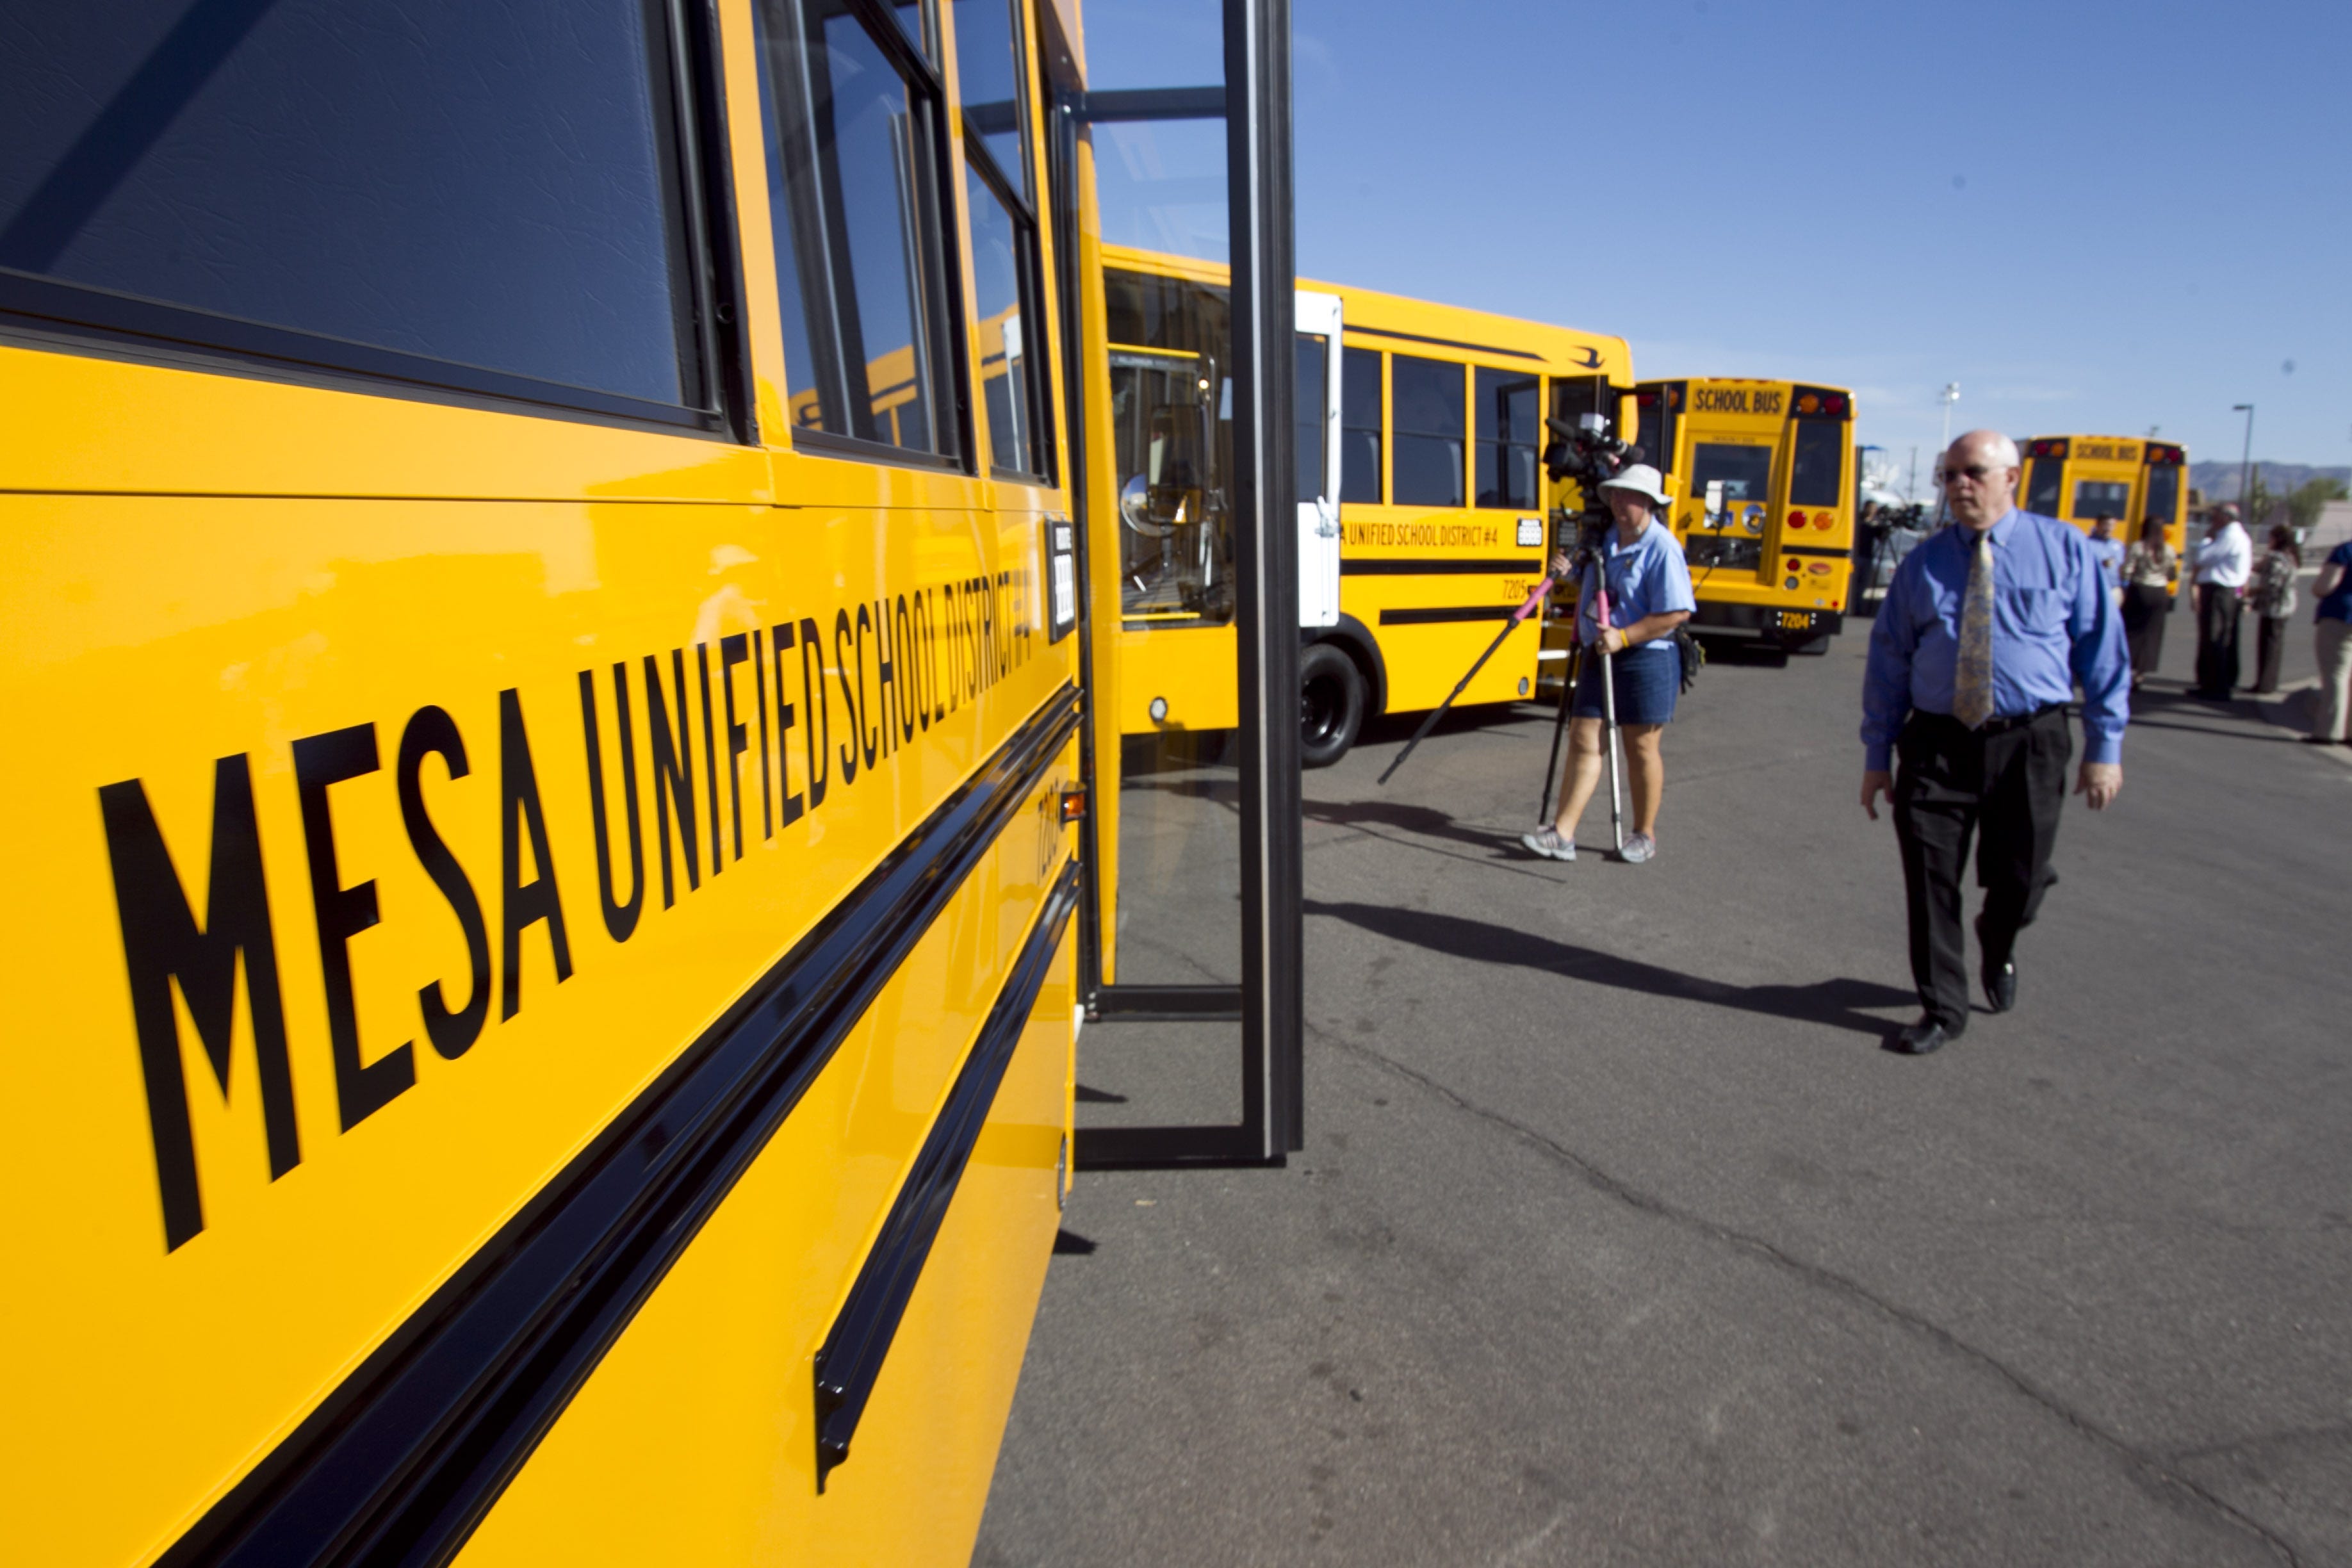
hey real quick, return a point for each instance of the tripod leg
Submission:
(1616, 791)
(1559, 729)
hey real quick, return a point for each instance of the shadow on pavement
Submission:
(1425, 820)
(1835, 1002)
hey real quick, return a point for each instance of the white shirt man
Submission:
(2224, 559)
(2221, 561)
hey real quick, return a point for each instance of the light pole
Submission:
(1951, 395)
(2246, 465)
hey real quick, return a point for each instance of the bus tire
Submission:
(1330, 704)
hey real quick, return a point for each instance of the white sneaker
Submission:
(1639, 847)
(1547, 843)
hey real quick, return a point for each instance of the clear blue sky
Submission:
(2094, 217)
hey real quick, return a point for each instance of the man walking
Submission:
(2221, 561)
(1985, 629)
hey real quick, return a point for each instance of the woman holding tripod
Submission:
(1634, 591)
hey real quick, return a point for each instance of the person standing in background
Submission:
(2219, 563)
(2269, 593)
(2334, 637)
(2150, 568)
(1987, 628)
(2108, 552)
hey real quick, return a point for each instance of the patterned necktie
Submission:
(1973, 681)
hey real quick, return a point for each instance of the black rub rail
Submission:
(850, 1361)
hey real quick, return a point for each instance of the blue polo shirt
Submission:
(2053, 623)
(1645, 578)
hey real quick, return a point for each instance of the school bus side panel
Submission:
(693, 1442)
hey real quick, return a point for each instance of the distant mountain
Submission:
(2220, 480)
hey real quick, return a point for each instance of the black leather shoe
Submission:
(1918, 1039)
(2000, 985)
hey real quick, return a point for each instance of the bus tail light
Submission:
(1833, 403)
(1796, 520)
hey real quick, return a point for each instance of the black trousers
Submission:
(2005, 791)
(2144, 612)
(2217, 639)
(2270, 644)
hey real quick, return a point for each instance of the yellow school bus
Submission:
(1422, 497)
(2122, 479)
(538, 607)
(1772, 552)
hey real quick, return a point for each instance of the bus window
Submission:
(2163, 493)
(2044, 485)
(1360, 427)
(1576, 394)
(2099, 498)
(849, 132)
(1508, 403)
(997, 255)
(990, 83)
(400, 210)
(1429, 429)
(1816, 476)
(1311, 394)
(1746, 471)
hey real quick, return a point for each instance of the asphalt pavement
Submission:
(1618, 1239)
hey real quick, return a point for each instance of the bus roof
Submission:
(1744, 381)
(2105, 448)
(1405, 325)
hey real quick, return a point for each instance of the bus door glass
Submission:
(1316, 414)
(1180, 283)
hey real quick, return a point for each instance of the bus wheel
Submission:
(1330, 704)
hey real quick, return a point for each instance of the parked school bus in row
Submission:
(1772, 553)
(2122, 479)
(1422, 499)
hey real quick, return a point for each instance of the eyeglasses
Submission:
(1977, 471)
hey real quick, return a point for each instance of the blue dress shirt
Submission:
(1647, 577)
(2053, 623)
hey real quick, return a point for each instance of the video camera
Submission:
(1586, 452)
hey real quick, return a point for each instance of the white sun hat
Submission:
(1642, 480)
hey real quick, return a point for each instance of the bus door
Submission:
(1181, 405)
(1816, 534)
(1730, 474)
(2162, 495)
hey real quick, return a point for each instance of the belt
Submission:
(1999, 726)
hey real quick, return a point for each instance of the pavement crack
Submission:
(2152, 1466)
(2264, 1442)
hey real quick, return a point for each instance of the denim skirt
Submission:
(1647, 684)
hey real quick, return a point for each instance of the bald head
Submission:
(1980, 478)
